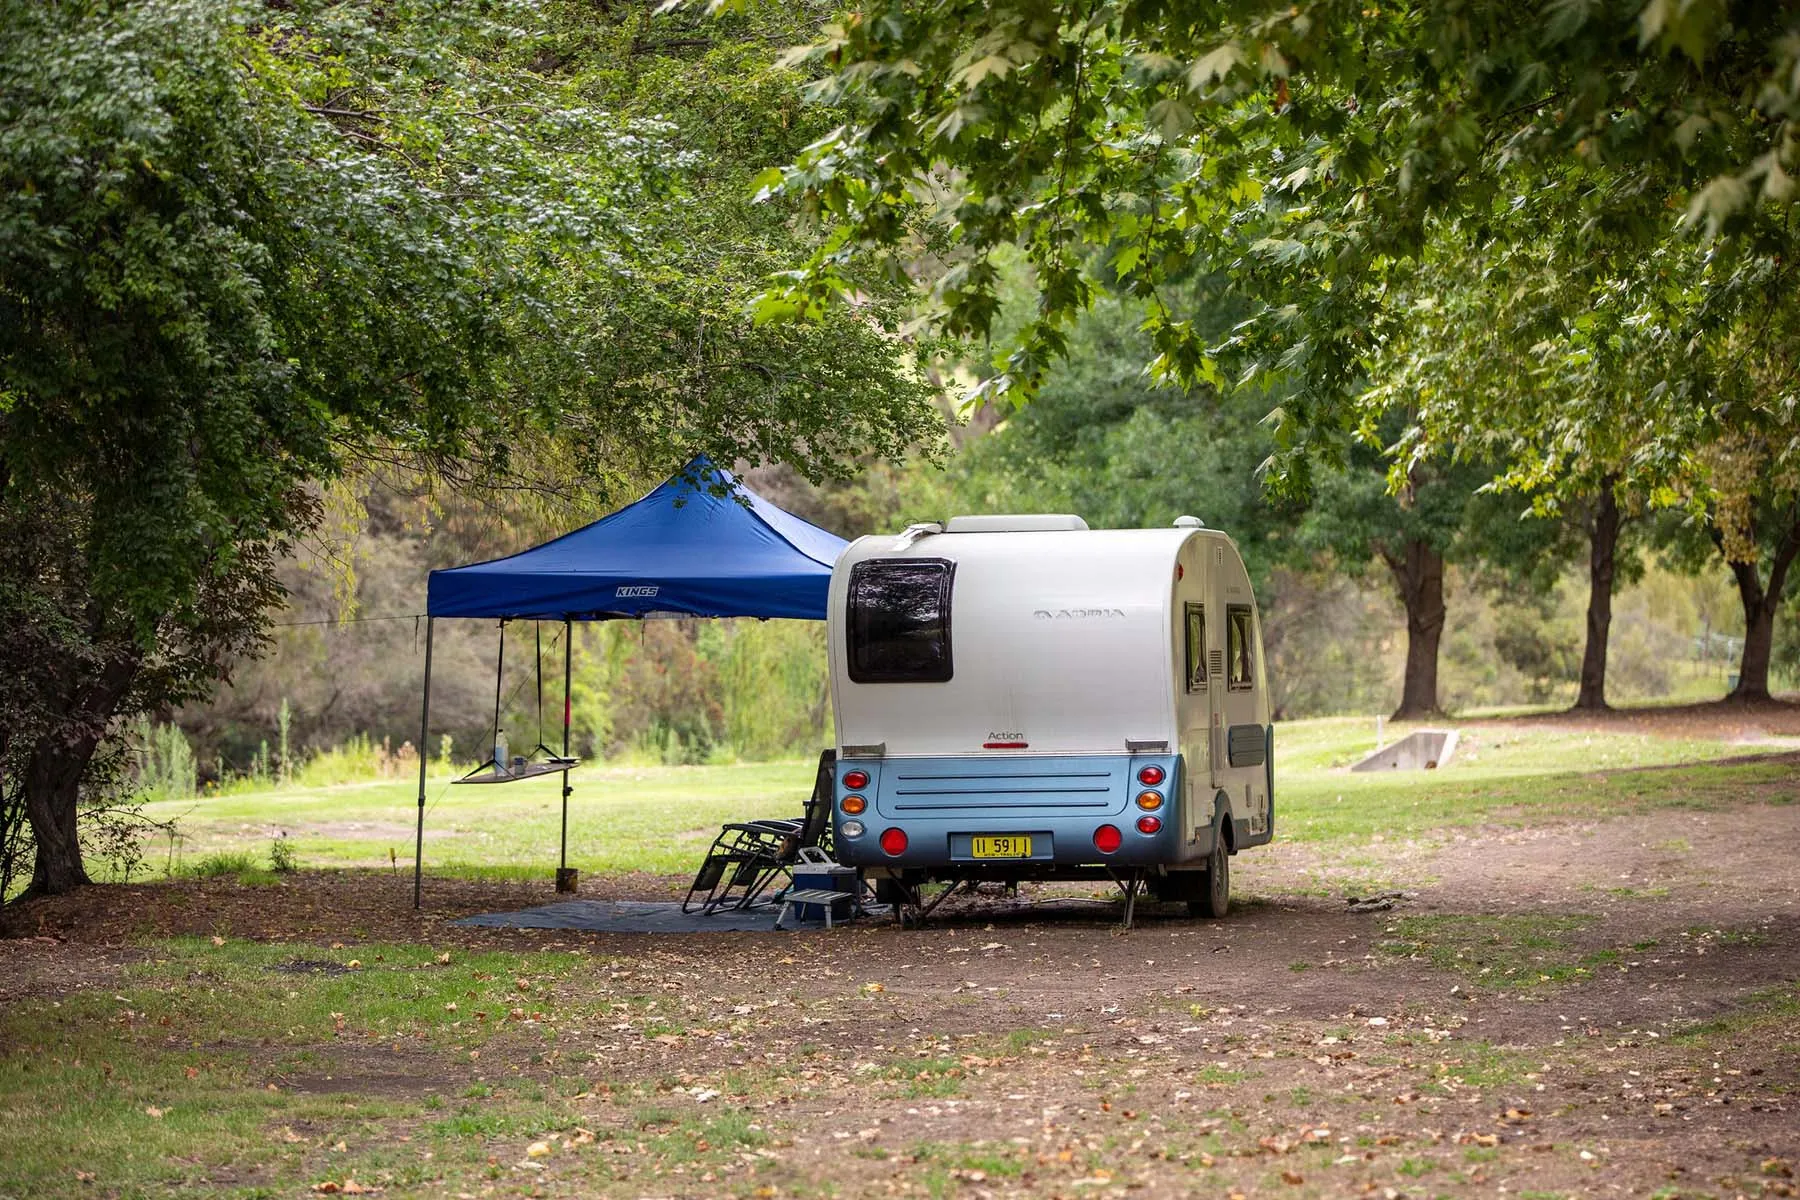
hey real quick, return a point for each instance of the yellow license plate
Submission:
(1000, 847)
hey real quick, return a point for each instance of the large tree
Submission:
(246, 249)
(1306, 150)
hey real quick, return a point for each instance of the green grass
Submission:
(1518, 952)
(1775, 1010)
(660, 819)
(180, 1076)
(928, 1078)
(656, 819)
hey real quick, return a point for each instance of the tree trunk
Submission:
(1759, 615)
(1420, 578)
(58, 764)
(1603, 545)
(52, 789)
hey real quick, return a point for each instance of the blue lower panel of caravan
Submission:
(943, 803)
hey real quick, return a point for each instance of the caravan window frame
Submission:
(1196, 649)
(1239, 636)
(861, 647)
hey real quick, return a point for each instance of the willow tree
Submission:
(246, 248)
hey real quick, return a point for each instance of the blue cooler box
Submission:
(815, 871)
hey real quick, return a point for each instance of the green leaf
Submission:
(1214, 65)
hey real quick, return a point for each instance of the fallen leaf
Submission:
(217, 940)
(537, 1150)
(444, 957)
(329, 1186)
(155, 1111)
(341, 1148)
(84, 1176)
(1293, 1177)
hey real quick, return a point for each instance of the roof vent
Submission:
(913, 533)
(1020, 523)
(1189, 523)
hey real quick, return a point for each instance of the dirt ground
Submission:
(1297, 1048)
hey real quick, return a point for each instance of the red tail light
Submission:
(893, 842)
(856, 781)
(1152, 775)
(1107, 839)
(1149, 824)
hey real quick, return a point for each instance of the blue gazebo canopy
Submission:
(682, 550)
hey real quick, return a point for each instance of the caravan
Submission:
(1025, 698)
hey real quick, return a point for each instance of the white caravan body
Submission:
(1004, 688)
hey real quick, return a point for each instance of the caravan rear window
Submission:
(899, 620)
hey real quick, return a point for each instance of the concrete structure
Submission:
(1421, 750)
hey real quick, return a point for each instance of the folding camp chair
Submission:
(748, 857)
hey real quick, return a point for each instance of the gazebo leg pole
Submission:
(565, 881)
(424, 761)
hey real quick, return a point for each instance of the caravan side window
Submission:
(1196, 648)
(1237, 651)
(899, 620)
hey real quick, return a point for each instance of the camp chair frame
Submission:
(747, 858)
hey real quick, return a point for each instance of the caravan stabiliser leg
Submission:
(925, 910)
(1131, 886)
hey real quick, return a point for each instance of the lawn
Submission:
(660, 819)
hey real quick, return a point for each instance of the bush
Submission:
(281, 856)
(233, 862)
(166, 769)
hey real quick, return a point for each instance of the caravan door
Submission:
(1199, 709)
(1245, 736)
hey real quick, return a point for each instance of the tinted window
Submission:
(1238, 650)
(1196, 648)
(899, 620)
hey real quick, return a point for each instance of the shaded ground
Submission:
(1572, 1007)
(1735, 720)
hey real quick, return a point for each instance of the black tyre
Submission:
(1215, 902)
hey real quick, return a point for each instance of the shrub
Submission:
(233, 862)
(281, 856)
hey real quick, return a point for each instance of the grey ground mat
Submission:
(638, 916)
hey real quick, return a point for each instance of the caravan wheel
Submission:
(1217, 899)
